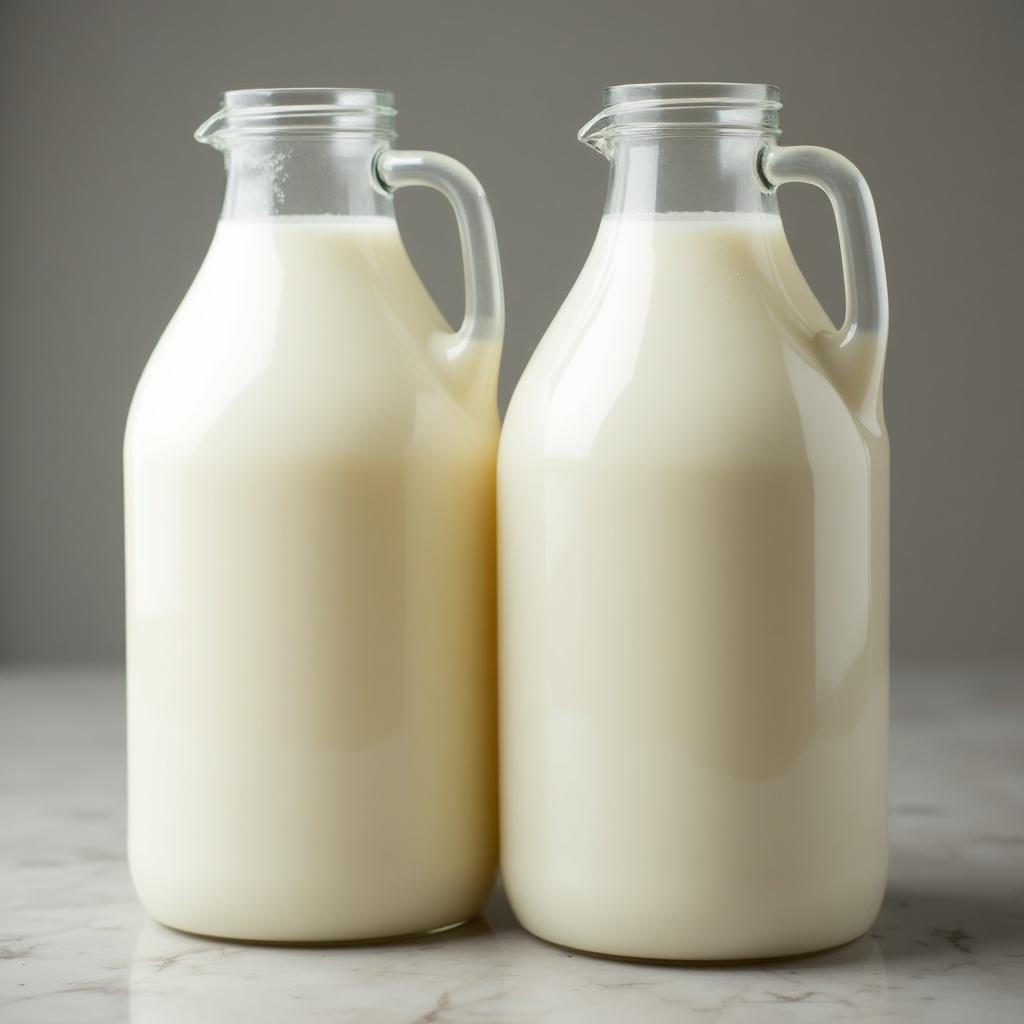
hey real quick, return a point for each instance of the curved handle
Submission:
(866, 323)
(484, 319)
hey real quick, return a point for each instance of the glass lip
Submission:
(653, 108)
(695, 94)
(304, 111)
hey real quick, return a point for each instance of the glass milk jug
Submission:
(309, 503)
(693, 552)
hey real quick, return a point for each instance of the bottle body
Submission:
(693, 608)
(310, 589)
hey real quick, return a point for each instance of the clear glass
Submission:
(693, 544)
(302, 152)
(712, 147)
(324, 152)
(309, 546)
(686, 147)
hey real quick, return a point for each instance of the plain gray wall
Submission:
(108, 207)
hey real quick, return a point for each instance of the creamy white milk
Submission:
(693, 608)
(310, 597)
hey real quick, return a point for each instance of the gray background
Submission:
(108, 207)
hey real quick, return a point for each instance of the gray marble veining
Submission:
(74, 945)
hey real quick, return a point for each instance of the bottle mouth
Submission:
(300, 113)
(710, 108)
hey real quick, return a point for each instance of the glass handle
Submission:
(484, 318)
(866, 323)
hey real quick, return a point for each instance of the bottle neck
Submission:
(686, 173)
(324, 176)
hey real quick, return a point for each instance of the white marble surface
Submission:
(74, 945)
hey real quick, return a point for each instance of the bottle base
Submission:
(324, 943)
(699, 960)
(727, 931)
(299, 910)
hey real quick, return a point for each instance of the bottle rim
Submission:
(307, 112)
(651, 108)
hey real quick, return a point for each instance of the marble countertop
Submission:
(76, 947)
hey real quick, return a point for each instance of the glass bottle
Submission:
(309, 505)
(693, 551)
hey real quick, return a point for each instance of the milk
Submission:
(310, 586)
(693, 609)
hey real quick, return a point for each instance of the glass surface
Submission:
(309, 523)
(302, 152)
(690, 107)
(680, 147)
(693, 534)
(293, 112)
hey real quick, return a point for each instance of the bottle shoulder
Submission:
(300, 344)
(696, 340)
